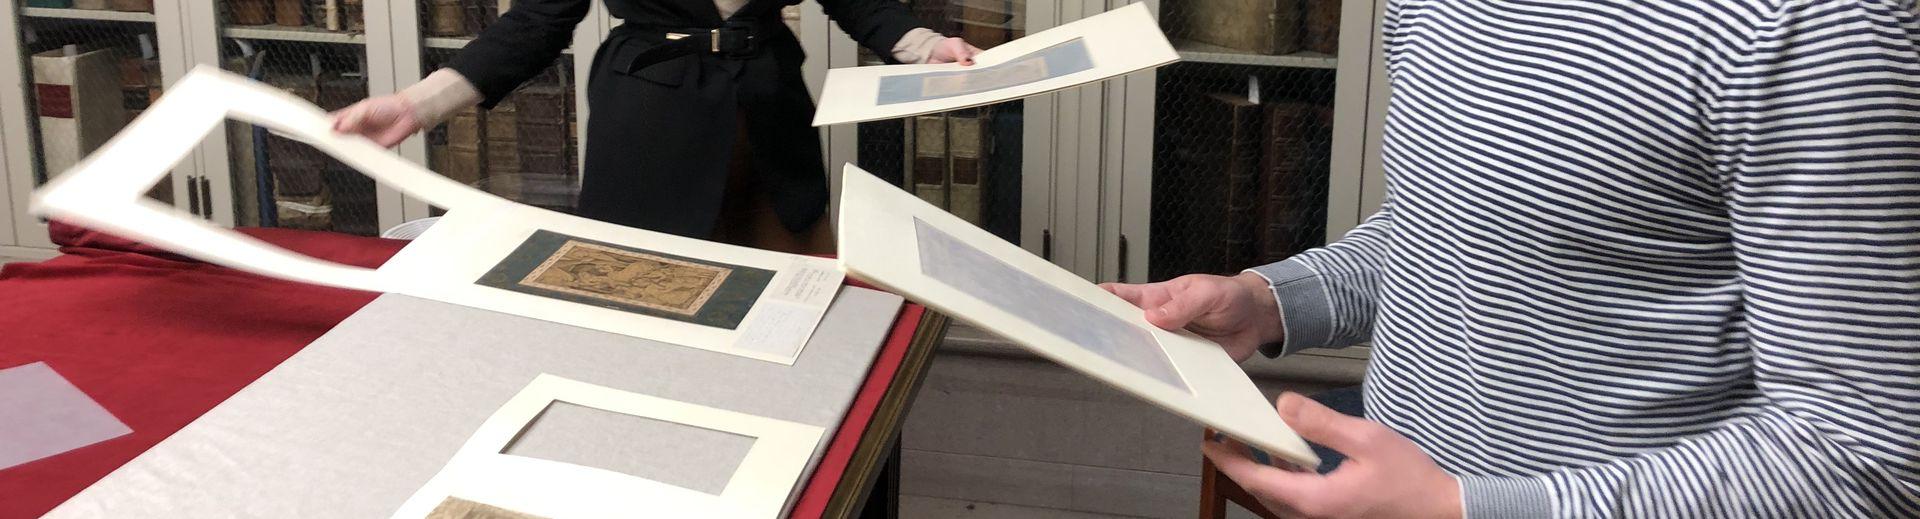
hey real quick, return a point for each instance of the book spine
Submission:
(55, 4)
(79, 104)
(289, 13)
(930, 159)
(1288, 195)
(97, 5)
(503, 149)
(465, 135)
(447, 18)
(1322, 27)
(250, 12)
(967, 149)
(132, 6)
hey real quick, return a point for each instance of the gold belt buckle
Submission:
(715, 39)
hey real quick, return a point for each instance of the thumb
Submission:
(1320, 424)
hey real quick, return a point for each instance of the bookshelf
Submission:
(86, 14)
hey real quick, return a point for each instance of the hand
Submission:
(953, 50)
(387, 119)
(1237, 312)
(1384, 476)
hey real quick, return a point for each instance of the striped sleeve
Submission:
(1328, 295)
(1815, 127)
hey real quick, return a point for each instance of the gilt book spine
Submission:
(542, 128)
(1264, 27)
(80, 104)
(465, 139)
(447, 18)
(930, 159)
(503, 148)
(968, 149)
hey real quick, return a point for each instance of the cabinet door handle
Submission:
(1123, 258)
(206, 197)
(193, 195)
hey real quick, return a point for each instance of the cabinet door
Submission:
(318, 50)
(990, 165)
(1250, 149)
(82, 70)
(529, 147)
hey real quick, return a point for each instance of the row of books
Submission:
(460, 18)
(525, 138)
(1262, 27)
(135, 6)
(85, 93)
(983, 23)
(1244, 186)
(332, 15)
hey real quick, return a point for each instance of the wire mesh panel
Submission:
(966, 161)
(91, 66)
(526, 147)
(315, 50)
(1243, 134)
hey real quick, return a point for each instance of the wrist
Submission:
(1260, 292)
(437, 97)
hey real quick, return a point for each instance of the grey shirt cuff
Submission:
(1499, 498)
(1306, 313)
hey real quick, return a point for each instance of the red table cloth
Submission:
(159, 339)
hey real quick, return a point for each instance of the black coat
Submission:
(660, 137)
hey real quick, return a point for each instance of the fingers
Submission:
(961, 51)
(1189, 299)
(1351, 436)
(1280, 486)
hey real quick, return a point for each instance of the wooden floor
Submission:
(1008, 435)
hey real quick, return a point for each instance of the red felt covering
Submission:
(159, 340)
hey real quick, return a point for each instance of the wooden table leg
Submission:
(883, 502)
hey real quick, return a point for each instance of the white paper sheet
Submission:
(895, 240)
(480, 473)
(479, 230)
(42, 415)
(1095, 48)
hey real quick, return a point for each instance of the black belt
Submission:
(736, 39)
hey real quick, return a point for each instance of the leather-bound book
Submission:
(503, 149)
(1262, 27)
(930, 159)
(987, 23)
(447, 18)
(55, 4)
(250, 12)
(1238, 132)
(967, 149)
(290, 13)
(79, 104)
(464, 139)
(96, 5)
(542, 127)
(354, 14)
(1293, 178)
(1321, 30)
(132, 6)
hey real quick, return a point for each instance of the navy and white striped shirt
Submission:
(1643, 258)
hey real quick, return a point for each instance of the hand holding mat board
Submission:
(895, 240)
(1098, 47)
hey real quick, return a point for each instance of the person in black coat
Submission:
(700, 120)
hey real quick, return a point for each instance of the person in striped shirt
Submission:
(1638, 258)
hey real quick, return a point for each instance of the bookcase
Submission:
(1261, 142)
(87, 66)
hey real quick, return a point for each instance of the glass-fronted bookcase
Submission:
(79, 69)
(1255, 146)
(1258, 143)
